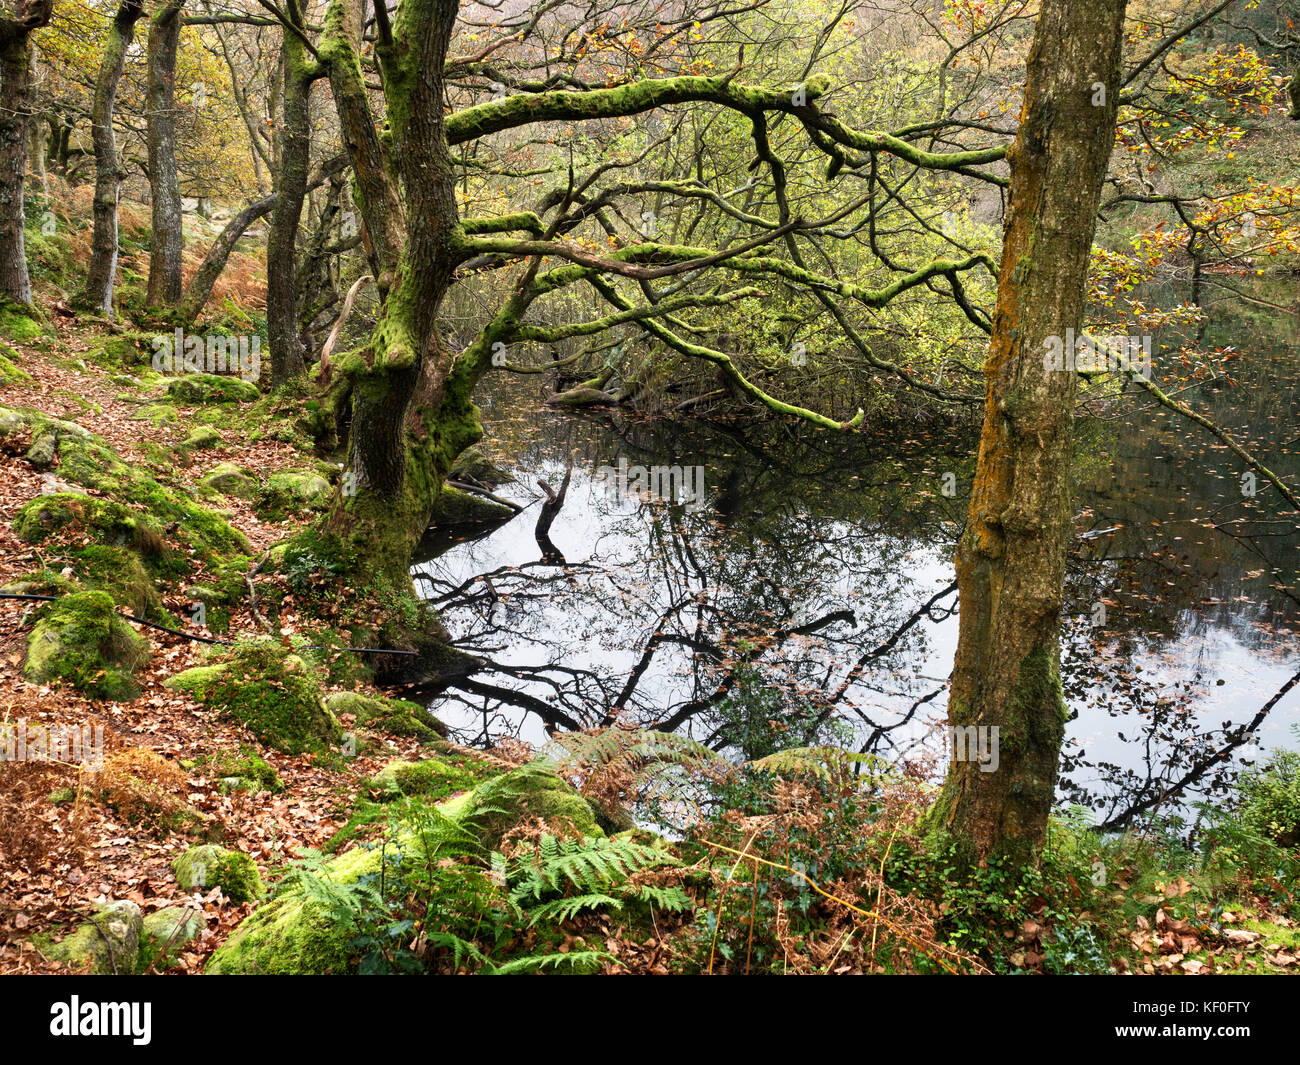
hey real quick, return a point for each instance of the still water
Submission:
(801, 591)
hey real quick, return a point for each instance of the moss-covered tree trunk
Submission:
(1011, 559)
(164, 179)
(292, 157)
(108, 171)
(16, 25)
(406, 424)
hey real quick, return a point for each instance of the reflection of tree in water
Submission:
(791, 610)
(748, 609)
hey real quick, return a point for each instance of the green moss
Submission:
(432, 777)
(108, 943)
(295, 934)
(9, 370)
(207, 866)
(530, 791)
(157, 415)
(202, 438)
(100, 520)
(293, 493)
(19, 323)
(228, 479)
(192, 389)
(81, 640)
(248, 767)
(273, 693)
(165, 933)
(395, 716)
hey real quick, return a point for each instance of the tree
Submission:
(164, 180)
(405, 393)
(292, 156)
(1011, 559)
(108, 170)
(16, 25)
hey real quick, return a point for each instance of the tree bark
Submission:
(293, 154)
(16, 26)
(108, 171)
(1011, 558)
(200, 286)
(164, 180)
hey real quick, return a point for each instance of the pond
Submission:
(802, 591)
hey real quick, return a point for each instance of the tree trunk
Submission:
(15, 115)
(1011, 559)
(407, 425)
(108, 171)
(164, 181)
(200, 286)
(293, 154)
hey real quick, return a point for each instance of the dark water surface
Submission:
(807, 595)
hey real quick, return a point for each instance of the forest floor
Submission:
(76, 853)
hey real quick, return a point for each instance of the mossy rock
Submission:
(202, 438)
(119, 572)
(20, 323)
(101, 520)
(431, 777)
(108, 943)
(455, 507)
(473, 465)
(530, 791)
(83, 641)
(165, 933)
(10, 371)
(291, 935)
(13, 422)
(157, 415)
(276, 695)
(207, 866)
(398, 717)
(88, 462)
(287, 494)
(199, 388)
(227, 479)
(244, 771)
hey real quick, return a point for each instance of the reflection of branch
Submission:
(1122, 820)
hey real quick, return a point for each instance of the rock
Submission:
(44, 449)
(395, 716)
(454, 507)
(247, 771)
(165, 933)
(199, 388)
(231, 480)
(499, 804)
(12, 422)
(276, 695)
(109, 943)
(432, 777)
(292, 493)
(207, 866)
(474, 466)
(201, 438)
(81, 640)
